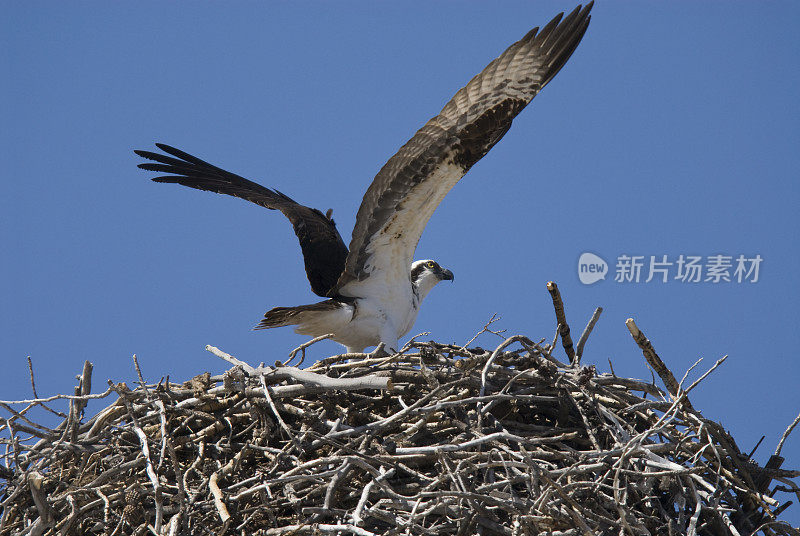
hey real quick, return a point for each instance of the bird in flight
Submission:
(374, 289)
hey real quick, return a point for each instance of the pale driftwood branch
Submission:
(219, 503)
(326, 382)
(230, 359)
(306, 376)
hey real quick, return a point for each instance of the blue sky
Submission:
(673, 130)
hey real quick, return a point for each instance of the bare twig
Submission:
(720, 361)
(486, 329)
(33, 383)
(786, 435)
(485, 372)
(302, 349)
(59, 397)
(277, 414)
(586, 332)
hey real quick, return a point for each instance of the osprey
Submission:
(373, 289)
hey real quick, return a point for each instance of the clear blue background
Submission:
(673, 129)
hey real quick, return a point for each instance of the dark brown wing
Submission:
(407, 190)
(324, 250)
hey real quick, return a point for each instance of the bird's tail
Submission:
(325, 316)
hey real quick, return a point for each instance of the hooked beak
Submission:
(447, 275)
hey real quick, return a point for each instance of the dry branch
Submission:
(586, 332)
(440, 439)
(657, 364)
(563, 327)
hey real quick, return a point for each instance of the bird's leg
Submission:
(379, 352)
(388, 340)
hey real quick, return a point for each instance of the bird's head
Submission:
(425, 274)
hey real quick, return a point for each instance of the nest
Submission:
(439, 439)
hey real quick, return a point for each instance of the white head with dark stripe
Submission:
(425, 274)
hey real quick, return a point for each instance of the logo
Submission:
(683, 268)
(591, 268)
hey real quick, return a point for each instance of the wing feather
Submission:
(324, 251)
(409, 187)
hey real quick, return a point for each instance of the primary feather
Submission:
(324, 251)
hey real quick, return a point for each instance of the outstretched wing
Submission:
(324, 250)
(407, 190)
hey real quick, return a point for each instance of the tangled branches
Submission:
(438, 439)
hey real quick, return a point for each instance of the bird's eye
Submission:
(430, 264)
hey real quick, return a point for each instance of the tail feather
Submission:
(281, 316)
(326, 317)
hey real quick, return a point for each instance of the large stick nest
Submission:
(437, 440)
